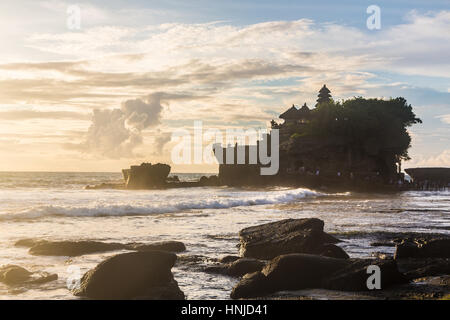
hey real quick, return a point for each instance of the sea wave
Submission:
(224, 201)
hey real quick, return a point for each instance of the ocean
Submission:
(55, 206)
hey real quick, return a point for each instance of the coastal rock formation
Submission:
(354, 276)
(171, 246)
(287, 236)
(428, 267)
(288, 272)
(13, 275)
(305, 271)
(237, 268)
(146, 176)
(423, 248)
(69, 248)
(72, 248)
(134, 275)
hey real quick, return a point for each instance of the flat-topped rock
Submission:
(72, 248)
(269, 240)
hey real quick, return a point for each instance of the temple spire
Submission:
(324, 95)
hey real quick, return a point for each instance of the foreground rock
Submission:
(77, 248)
(305, 271)
(423, 248)
(134, 275)
(288, 236)
(288, 272)
(354, 276)
(419, 268)
(15, 275)
(237, 268)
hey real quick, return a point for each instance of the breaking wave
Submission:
(162, 205)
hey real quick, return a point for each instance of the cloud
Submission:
(115, 133)
(445, 118)
(161, 139)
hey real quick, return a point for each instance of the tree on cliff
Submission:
(373, 127)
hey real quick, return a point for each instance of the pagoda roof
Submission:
(295, 114)
(324, 89)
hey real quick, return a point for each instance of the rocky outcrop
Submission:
(305, 271)
(287, 236)
(134, 275)
(80, 247)
(146, 176)
(13, 275)
(288, 272)
(423, 248)
(237, 268)
(354, 276)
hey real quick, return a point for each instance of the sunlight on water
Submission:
(56, 206)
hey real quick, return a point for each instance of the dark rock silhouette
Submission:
(80, 247)
(237, 268)
(286, 236)
(146, 176)
(354, 276)
(135, 275)
(423, 248)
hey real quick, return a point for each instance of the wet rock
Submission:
(13, 275)
(333, 251)
(418, 268)
(237, 268)
(169, 291)
(252, 285)
(288, 272)
(354, 276)
(423, 248)
(80, 247)
(228, 259)
(171, 246)
(243, 266)
(72, 248)
(298, 271)
(129, 276)
(283, 237)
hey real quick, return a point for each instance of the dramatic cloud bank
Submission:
(115, 133)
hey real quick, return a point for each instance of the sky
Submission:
(107, 88)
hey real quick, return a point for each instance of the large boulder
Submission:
(354, 276)
(423, 248)
(283, 237)
(252, 285)
(288, 272)
(131, 275)
(299, 271)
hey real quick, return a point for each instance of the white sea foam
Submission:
(170, 201)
